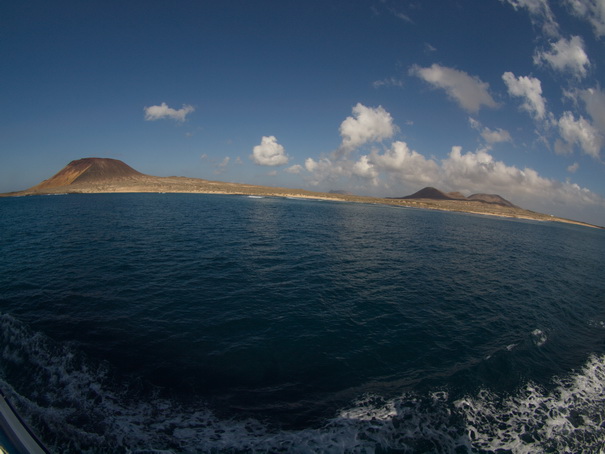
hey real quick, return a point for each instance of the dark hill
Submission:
(456, 195)
(431, 193)
(428, 193)
(91, 170)
(492, 198)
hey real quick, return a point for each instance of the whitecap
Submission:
(539, 337)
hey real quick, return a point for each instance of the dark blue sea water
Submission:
(206, 323)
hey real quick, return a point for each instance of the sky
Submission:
(374, 97)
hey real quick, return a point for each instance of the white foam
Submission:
(79, 400)
(567, 419)
(539, 337)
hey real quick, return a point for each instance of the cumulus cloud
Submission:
(469, 92)
(566, 55)
(269, 153)
(368, 124)
(495, 136)
(579, 132)
(573, 168)
(594, 98)
(397, 162)
(591, 10)
(540, 13)
(295, 169)
(153, 113)
(528, 88)
(365, 169)
(489, 135)
(404, 164)
(326, 169)
(479, 171)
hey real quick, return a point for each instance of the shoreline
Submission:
(184, 185)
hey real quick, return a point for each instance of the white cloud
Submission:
(566, 55)
(540, 14)
(153, 113)
(591, 10)
(367, 125)
(269, 153)
(579, 132)
(594, 99)
(573, 168)
(499, 135)
(388, 82)
(295, 169)
(489, 135)
(221, 167)
(311, 165)
(365, 169)
(326, 169)
(479, 172)
(405, 164)
(528, 88)
(469, 92)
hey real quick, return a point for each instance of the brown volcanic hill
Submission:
(90, 170)
(492, 198)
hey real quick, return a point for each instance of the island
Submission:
(105, 175)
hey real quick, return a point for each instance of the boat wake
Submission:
(76, 405)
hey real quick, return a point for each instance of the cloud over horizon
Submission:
(269, 153)
(398, 166)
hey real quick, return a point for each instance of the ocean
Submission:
(191, 323)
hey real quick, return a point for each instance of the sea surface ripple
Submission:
(208, 323)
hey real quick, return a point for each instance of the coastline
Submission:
(149, 184)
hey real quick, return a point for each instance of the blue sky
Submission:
(377, 97)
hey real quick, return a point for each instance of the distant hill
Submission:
(90, 170)
(491, 198)
(435, 194)
(428, 193)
